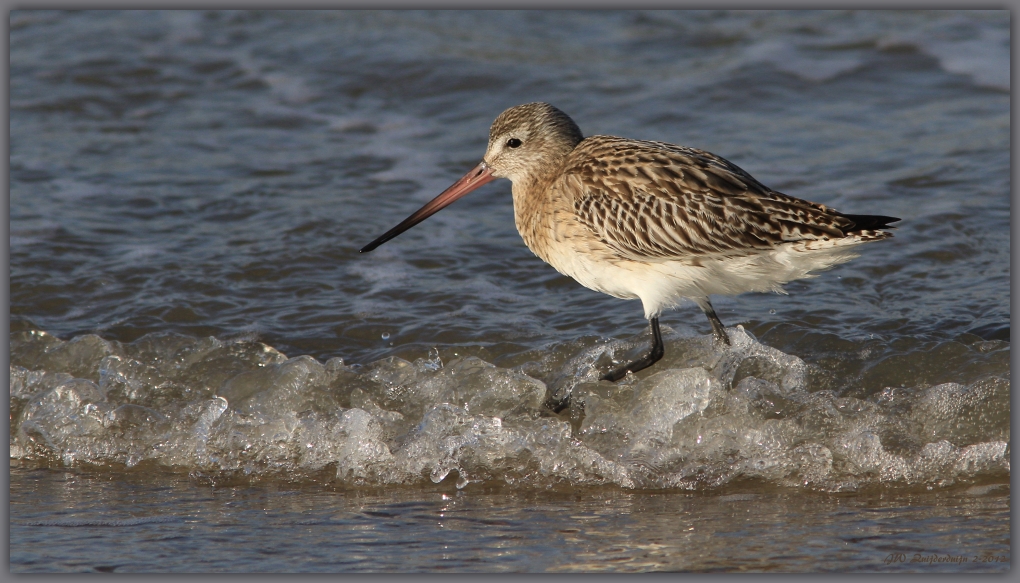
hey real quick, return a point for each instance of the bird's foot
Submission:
(557, 404)
(635, 366)
(721, 337)
(658, 349)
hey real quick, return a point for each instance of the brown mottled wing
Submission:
(651, 200)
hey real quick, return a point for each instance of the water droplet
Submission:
(438, 474)
(385, 335)
(433, 362)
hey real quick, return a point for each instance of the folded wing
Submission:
(652, 200)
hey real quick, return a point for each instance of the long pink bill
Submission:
(478, 176)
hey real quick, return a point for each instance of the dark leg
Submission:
(557, 405)
(658, 349)
(717, 327)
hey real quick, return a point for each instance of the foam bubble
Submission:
(707, 417)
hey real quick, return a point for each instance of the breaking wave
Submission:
(228, 410)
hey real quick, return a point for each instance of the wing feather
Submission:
(652, 200)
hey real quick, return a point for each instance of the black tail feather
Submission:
(869, 222)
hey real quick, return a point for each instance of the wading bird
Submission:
(651, 220)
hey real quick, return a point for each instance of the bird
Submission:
(650, 220)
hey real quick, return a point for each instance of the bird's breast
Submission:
(549, 227)
(545, 220)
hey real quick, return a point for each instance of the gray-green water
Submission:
(82, 521)
(194, 335)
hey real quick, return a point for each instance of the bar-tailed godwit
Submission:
(651, 220)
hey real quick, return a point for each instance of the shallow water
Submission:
(88, 521)
(190, 318)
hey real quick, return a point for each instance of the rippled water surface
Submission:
(82, 521)
(194, 330)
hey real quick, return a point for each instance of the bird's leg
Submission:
(718, 330)
(557, 405)
(658, 349)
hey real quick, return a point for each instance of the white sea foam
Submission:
(243, 409)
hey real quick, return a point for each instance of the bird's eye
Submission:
(513, 143)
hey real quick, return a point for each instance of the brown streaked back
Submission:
(653, 200)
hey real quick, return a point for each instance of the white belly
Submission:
(665, 283)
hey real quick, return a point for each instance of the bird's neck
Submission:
(534, 205)
(536, 201)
